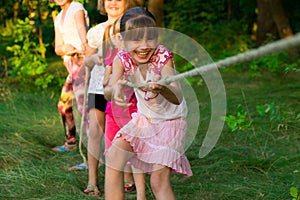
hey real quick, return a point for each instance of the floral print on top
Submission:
(159, 58)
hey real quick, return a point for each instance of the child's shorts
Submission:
(96, 101)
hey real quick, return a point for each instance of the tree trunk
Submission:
(140, 2)
(40, 26)
(280, 19)
(16, 7)
(271, 21)
(156, 8)
(265, 23)
(229, 10)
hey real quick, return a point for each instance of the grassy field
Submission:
(259, 162)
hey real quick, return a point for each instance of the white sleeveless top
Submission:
(154, 106)
(95, 40)
(68, 28)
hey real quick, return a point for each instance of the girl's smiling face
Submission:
(114, 8)
(142, 49)
(62, 2)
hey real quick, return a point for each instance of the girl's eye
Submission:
(135, 42)
(151, 41)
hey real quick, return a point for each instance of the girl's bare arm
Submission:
(116, 75)
(92, 57)
(171, 92)
(59, 43)
(81, 28)
(108, 70)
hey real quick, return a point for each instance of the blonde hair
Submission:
(129, 4)
(111, 31)
(116, 26)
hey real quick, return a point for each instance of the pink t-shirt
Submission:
(111, 108)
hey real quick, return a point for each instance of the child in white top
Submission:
(70, 41)
(155, 137)
(96, 102)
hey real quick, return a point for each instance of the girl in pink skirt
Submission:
(155, 137)
(116, 117)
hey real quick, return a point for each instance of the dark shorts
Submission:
(97, 101)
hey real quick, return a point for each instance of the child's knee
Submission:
(160, 179)
(156, 180)
(118, 154)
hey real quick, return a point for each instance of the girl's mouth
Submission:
(114, 8)
(142, 54)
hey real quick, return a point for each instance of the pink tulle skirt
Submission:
(157, 144)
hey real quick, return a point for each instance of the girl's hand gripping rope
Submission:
(118, 95)
(94, 59)
(154, 87)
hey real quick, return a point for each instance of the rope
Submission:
(250, 55)
(87, 76)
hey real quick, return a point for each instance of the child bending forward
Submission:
(154, 139)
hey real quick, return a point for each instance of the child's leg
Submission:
(96, 127)
(116, 158)
(111, 128)
(76, 64)
(160, 183)
(140, 183)
(128, 179)
(66, 112)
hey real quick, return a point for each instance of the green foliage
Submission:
(225, 33)
(275, 114)
(275, 63)
(226, 39)
(239, 121)
(222, 29)
(293, 14)
(27, 63)
(293, 67)
(193, 17)
(272, 110)
(222, 34)
(182, 65)
(236, 169)
(294, 193)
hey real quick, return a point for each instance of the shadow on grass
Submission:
(256, 163)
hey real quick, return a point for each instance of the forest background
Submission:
(222, 27)
(258, 154)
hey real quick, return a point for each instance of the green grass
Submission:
(256, 163)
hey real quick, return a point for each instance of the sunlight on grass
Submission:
(255, 163)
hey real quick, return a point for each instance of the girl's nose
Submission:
(144, 44)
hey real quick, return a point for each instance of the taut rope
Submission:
(253, 54)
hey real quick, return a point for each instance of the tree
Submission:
(156, 8)
(272, 20)
(280, 18)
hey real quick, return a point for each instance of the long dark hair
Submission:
(137, 21)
